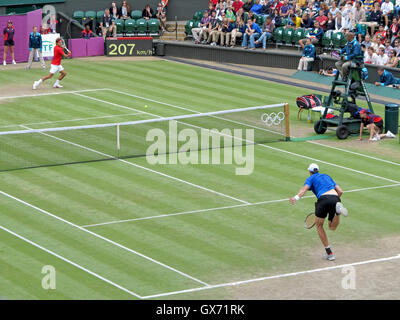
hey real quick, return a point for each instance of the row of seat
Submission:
(139, 27)
(91, 15)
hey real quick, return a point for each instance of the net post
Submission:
(287, 122)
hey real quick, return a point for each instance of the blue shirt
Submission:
(320, 183)
(35, 40)
(353, 51)
(309, 51)
(256, 8)
(387, 79)
(256, 27)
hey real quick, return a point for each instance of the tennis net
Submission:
(31, 148)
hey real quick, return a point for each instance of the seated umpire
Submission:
(351, 52)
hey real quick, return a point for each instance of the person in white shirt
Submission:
(370, 56)
(382, 58)
(387, 10)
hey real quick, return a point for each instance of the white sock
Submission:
(40, 81)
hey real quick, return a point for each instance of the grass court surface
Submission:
(131, 230)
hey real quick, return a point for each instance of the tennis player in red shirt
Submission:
(55, 66)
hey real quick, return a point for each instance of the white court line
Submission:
(50, 93)
(69, 120)
(261, 145)
(222, 208)
(71, 262)
(103, 238)
(285, 275)
(356, 153)
(260, 128)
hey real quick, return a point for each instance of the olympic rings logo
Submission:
(272, 118)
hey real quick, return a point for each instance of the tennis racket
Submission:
(309, 222)
(63, 45)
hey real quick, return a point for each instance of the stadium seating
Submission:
(153, 26)
(190, 25)
(327, 39)
(136, 14)
(337, 39)
(141, 27)
(288, 35)
(120, 27)
(298, 35)
(198, 15)
(130, 27)
(90, 15)
(79, 16)
(278, 34)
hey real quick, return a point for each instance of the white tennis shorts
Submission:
(54, 69)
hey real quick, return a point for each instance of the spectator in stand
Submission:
(9, 43)
(397, 46)
(125, 10)
(381, 34)
(225, 29)
(312, 10)
(368, 5)
(212, 29)
(338, 22)
(198, 32)
(147, 12)
(393, 60)
(322, 19)
(388, 47)
(35, 48)
(213, 3)
(375, 18)
(108, 24)
(352, 51)
(87, 33)
(237, 4)
(284, 11)
(386, 79)
(44, 29)
(162, 16)
(238, 31)
(367, 41)
(334, 9)
(276, 17)
(387, 11)
(303, 4)
(228, 34)
(114, 11)
(164, 3)
(256, 8)
(382, 57)
(374, 43)
(307, 56)
(394, 29)
(315, 35)
(267, 32)
(221, 5)
(220, 13)
(252, 31)
(325, 8)
(358, 12)
(276, 4)
(306, 22)
(293, 22)
(230, 15)
(370, 57)
(330, 24)
(240, 14)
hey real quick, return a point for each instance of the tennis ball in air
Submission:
(145, 106)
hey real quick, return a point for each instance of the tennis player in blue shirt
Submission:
(329, 204)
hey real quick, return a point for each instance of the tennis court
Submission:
(127, 229)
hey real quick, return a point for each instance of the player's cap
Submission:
(313, 167)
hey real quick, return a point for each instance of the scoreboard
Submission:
(129, 46)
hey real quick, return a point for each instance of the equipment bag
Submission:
(308, 101)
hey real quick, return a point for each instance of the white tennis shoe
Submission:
(341, 210)
(56, 85)
(390, 135)
(329, 257)
(35, 85)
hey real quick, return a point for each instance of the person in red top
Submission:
(237, 4)
(374, 123)
(55, 66)
(8, 33)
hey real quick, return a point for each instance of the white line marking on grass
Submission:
(222, 208)
(102, 238)
(356, 153)
(285, 275)
(50, 93)
(69, 120)
(262, 145)
(71, 262)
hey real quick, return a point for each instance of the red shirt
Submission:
(237, 5)
(58, 54)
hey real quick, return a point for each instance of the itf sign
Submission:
(48, 44)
